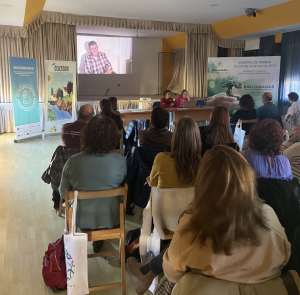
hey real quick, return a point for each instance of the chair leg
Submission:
(123, 266)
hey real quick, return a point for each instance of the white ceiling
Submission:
(189, 11)
(12, 12)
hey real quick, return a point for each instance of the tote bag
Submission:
(239, 135)
(76, 258)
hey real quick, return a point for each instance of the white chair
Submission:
(163, 211)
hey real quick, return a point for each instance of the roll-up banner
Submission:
(27, 115)
(60, 94)
(236, 76)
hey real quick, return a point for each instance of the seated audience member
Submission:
(232, 245)
(71, 132)
(97, 167)
(275, 183)
(246, 112)
(264, 154)
(292, 117)
(293, 152)
(156, 105)
(182, 99)
(269, 110)
(154, 140)
(167, 101)
(106, 110)
(171, 170)
(157, 136)
(114, 103)
(178, 168)
(218, 131)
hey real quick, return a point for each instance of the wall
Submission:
(169, 44)
(145, 54)
(278, 16)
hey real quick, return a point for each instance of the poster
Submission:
(236, 76)
(60, 94)
(25, 98)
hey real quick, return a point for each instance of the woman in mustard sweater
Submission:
(176, 169)
(179, 167)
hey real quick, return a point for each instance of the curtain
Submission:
(177, 83)
(267, 46)
(235, 52)
(49, 41)
(87, 20)
(9, 46)
(290, 66)
(199, 48)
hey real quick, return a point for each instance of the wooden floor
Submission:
(28, 222)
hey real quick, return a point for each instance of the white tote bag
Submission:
(239, 135)
(76, 258)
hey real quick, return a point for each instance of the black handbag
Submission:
(46, 175)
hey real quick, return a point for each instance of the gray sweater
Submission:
(92, 172)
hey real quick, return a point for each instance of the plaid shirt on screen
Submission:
(96, 64)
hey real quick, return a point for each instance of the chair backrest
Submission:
(119, 192)
(167, 206)
(101, 194)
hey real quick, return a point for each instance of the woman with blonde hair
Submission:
(176, 169)
(179, 167)
(228, 233)
(218, 131)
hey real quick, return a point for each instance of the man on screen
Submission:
(95, 61)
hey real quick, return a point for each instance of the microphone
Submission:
(106, 91)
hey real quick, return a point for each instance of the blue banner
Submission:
(25, 97)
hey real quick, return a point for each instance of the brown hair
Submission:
(247, 102)
(186, 149)
(219, 131)
(266, 137)
(101, 135)
(226, 209)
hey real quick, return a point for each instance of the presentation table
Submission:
(198, 114)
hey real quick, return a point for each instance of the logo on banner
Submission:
(57, 68)
(26, 98)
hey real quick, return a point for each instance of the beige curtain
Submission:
(177, 83)
(235, 52)
(199, 48)
(87, 20)
(9, 46)
(50, 41)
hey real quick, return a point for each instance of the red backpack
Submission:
(54, 266)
